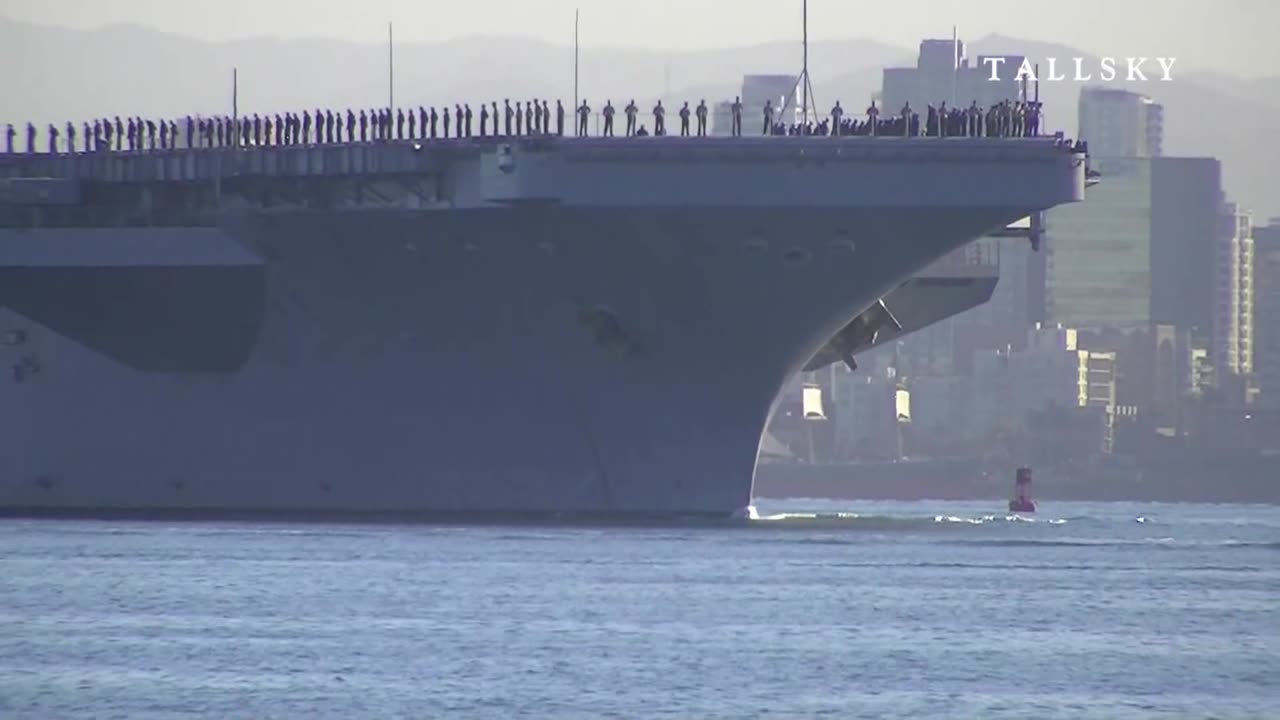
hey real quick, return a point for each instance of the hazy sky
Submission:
(1230, 35)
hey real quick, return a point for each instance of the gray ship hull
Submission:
(612, 360)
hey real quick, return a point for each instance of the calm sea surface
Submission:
(907, 610)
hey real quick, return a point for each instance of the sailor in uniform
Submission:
(906, 119)
(608, 118)
(584, 112)
(736, 109)
(684, 120)
(702, 118)
(659, 120)
(559, 118)
(837, 113)
(631, 111)
(768, 117)
(508, 112)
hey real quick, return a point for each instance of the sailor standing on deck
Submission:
(768, 117)
(31, 139)
(659, 120)
(684, 119)
(584, 112)
(528, 117)
(837, 114)
(631, 111)
(71, 137)
(906, 119)
(736, 109)
(9, 132)
(701, 112)
(608, 118)
(873, 117)
(53, 139)
(559, 118)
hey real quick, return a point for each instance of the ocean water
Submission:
(945, 610)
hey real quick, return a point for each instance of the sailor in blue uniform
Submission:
(584, 112)
(608, 118)
(631, 110)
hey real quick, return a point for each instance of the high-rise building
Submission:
(1266, 363)
(1098, 252)
(722, 119)
(781, 90)
(943, 74)
(1139, 250)
(1233, 318)
(1120, 123)
(1186, 203)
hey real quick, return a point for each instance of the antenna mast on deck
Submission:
(575, 62)
(803, 83)
(391, 70)
(235, 106)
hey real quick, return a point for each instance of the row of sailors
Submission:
(1004, 119)
(319, 127)
(1000, 120)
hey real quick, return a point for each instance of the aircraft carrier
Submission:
(497, 328)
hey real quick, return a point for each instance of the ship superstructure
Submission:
(496, 327)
